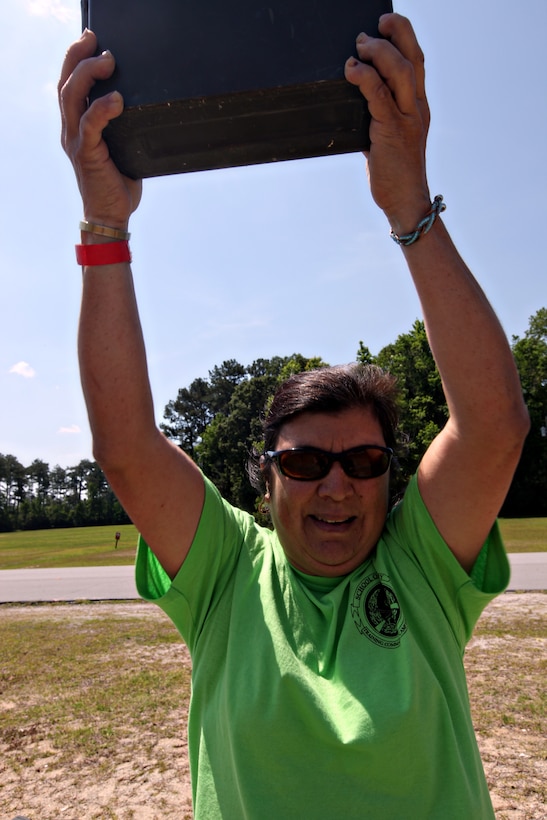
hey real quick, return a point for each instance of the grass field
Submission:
(71, 547)
(95, 546)
(524, 534)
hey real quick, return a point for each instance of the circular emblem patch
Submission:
(377, 612)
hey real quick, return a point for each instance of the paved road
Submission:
(71, 584)
(528, 572)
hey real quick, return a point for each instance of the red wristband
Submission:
(108, 253)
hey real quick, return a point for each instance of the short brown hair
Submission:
(328, 390)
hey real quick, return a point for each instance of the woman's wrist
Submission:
(102, 244)
(423, 226)
(405, 216)
(98, 254)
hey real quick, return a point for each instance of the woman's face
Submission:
(329, 526)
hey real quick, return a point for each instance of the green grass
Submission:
(94, 546)
(71, 547)
(524, 534)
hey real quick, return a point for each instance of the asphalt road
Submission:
(528, 572)
(70, 584)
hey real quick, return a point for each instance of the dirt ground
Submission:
(137, 788)
(506, 661)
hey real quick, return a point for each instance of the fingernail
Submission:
(352, 62)
(362, 37)
(115, 98)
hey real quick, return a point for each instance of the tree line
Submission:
(37, 497)
(216, 420)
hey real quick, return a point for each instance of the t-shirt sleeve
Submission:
(206, 570)
(463, 596)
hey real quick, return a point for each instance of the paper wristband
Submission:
(109, 253)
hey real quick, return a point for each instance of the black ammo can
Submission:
(211, 84)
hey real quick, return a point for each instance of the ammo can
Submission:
(211, 84)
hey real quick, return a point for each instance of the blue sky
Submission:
(269, 260)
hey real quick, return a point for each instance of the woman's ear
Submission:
(265, 470)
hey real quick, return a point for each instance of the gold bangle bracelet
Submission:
(104, 230)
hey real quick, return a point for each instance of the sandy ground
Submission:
(138, 789)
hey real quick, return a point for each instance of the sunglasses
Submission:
(310, 464)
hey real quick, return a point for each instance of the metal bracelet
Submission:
(104, 230)
(437, 207)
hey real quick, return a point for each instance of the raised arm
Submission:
(158, 485)
(466, 473)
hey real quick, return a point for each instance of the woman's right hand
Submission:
(109, 198)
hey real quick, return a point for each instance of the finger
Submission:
(398, 30)
(392, 69)
(95, 120)
(73, 95)
(78, 51)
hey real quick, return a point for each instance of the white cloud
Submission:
(51, 8)
(69, 430)
(23, 369)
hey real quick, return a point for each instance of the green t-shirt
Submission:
(329, 698)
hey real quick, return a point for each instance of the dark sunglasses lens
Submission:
(304, 464)
(368, 463)
(310, 465)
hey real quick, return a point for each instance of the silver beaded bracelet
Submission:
(437, 207)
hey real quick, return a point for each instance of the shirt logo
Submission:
(376, 611)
